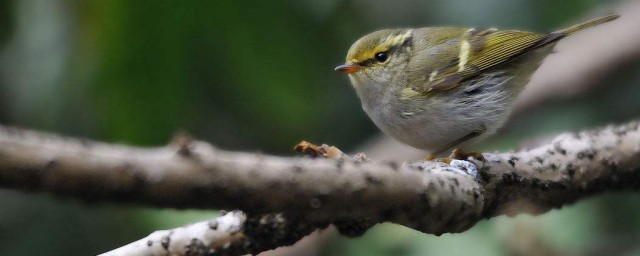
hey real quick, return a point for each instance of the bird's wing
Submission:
(481, 50)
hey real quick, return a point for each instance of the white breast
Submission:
(433, 122)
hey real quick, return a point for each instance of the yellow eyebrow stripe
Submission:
(386, 44)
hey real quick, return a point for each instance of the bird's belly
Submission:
(421, 130)
(443, 120)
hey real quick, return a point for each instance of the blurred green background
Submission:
(258, 76)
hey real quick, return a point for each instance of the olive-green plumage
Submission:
(438, 88)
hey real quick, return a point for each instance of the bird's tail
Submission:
(587, 24)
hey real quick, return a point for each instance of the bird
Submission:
(443, 88)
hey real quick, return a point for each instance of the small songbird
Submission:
(439, 88)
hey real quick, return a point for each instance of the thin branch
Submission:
(220, 233)
(232, 233)
(428, 196)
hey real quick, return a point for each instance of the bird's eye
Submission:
(381, 56)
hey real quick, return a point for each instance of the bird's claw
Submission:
(456, 154)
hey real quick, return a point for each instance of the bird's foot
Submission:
(459, 159)
(456, 154)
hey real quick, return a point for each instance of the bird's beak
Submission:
(349, 68)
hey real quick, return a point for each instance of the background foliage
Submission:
(258, 76)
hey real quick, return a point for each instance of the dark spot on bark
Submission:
(267, 231)
(571, 170)
(550, 152)
(441, 182)
(455, 182)
(165, 241)
(464, 206)
(509, 178)
(587, 153)
(553, 167)
(539, 160)
(426, 198)
(184, 150)
(558, 148)
(512, 163)
(51, 164)
(340, 165)
(393, 165)
(298, 169)
(197, 248)
(213, 224)
(149, 243)
(372, 180)
(609, 164)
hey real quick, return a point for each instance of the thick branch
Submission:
(196, 175)
(428, 196)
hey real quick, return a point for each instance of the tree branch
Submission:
(232, 233)
(311, 193)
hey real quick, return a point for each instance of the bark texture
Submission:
(285, 198)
